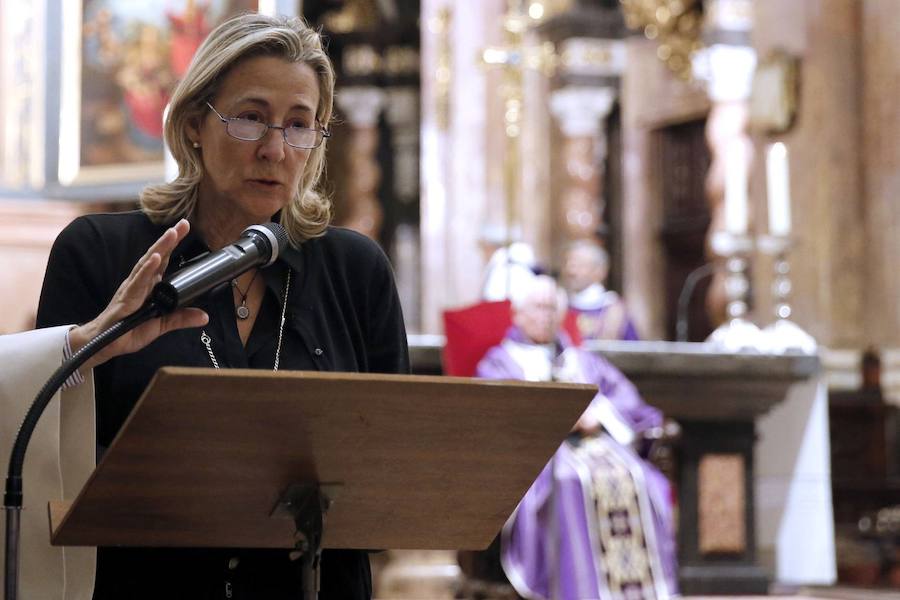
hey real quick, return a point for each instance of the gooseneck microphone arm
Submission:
(258, 246)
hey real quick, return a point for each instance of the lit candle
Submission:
(778, 188)
(736, 188)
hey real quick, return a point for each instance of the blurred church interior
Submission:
(737, 159)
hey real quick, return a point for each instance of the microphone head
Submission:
(276, 236)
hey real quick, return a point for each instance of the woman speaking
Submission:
(247, 125)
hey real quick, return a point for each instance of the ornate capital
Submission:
(361, 60)
(361, 105)
(728, 71)
(581, 110)
(730, 15)
(675, 25)
(593, 57)
(402, 108)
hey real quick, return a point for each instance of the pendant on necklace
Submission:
(242, 311)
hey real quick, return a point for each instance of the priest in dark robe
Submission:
(601, 314)
(597, 522)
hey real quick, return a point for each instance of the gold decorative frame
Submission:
(676, 26)
(774, 96)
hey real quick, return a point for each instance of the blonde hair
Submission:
(244, 36)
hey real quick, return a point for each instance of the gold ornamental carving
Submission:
(674, 24)
(354, 15)
(513, 57)
(440, 25)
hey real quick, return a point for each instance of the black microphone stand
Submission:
(684, 298)
(12, 499)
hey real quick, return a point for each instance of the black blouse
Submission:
(343, 314)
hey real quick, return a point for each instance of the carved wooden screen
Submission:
(683, 164)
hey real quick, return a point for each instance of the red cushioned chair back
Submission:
(473, 330)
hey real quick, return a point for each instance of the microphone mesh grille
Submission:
(280, 235)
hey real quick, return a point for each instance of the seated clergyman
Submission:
(601, 313)
(597, 522)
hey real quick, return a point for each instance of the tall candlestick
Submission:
(736, 188)
(778, 189)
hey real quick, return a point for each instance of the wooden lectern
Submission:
(302, 460)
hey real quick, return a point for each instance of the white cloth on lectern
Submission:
(59, 459)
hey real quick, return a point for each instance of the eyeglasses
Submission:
(251, 131)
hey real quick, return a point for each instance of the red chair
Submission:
(473, 330)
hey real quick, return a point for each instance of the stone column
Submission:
(22, 105)
(582, 113)
(880, 162)
(361, 107)
(402, 112)
(403, 115)
(727, 65)
(456, 139)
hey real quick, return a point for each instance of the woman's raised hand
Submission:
(131, 296)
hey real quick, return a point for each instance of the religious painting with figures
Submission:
(131, 55)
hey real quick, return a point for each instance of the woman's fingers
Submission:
(181, 229)
(134, 290)
(163, 241)
(163, 247)
(168, 240)
(149, 269)
(184, 318)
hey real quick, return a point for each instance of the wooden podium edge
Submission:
(57, 511)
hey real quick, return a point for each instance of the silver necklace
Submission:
(207, 341)
(242, 311)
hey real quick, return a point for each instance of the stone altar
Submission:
(720, 400)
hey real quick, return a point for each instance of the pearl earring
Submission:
(196, 144)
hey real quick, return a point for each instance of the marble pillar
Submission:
(402, 114)
(22, 105)
(728, 71)
(581, 112)
(361, 108)
(880, 162)
(536, 177)
(457, 137)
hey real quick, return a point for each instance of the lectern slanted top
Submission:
(417, 462)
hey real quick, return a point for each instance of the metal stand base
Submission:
(11, 587)
(307, 504)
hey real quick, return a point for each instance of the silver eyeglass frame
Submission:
(323, 133)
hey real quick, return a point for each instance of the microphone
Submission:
(258, 246)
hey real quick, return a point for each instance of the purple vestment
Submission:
(597, 522)
(600, 314)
